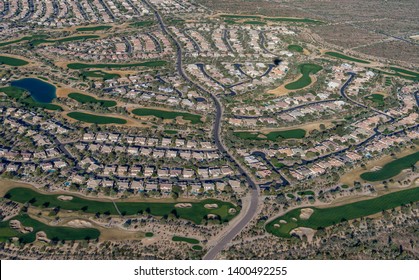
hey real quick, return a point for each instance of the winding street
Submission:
(235, 229)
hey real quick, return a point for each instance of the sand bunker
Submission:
(79, 223)
(42, 236)
(211, 206)
(212, 216)
(183, 205)
(277, 225)
(306, 213)
(282, 222)
(232, 211)
(303, 231)
(17, 225)
(65, 197)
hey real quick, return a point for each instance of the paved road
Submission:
(254, 188)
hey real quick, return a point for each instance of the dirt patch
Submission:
(306, 213)
(183, 205)
(211, 206)
(65, 197)
(79, 224)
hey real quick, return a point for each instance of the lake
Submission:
(40, 91)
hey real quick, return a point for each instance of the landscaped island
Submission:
(324, 217)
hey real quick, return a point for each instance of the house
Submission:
(135, 170)
(188, 173)
(148, 171)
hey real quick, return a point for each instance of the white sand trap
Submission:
(306, 213)
(294, 219)
(65, 197)
(211, 206)
(376, 168)
(277, 225)
(79, 223)
(17, 225)
(183, 205)
(232, 211)
(282, 222)
(212, 216)
(303, 231)
(42, 236)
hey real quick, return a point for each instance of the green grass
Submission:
(156, 63)
(345, 57)
(196, 213)
(388, 82)
(324, 217)
(272, 136)
(11, 61)
(392, 168)
(100, 74)
(378, 99)
(304, 193)
(26, 38)
(63, 40)
(290, 195)
(94, 28)
(240, 17)
(404, 71)
(197, 247)
(167, 114)
(149, 234)
(295, 48)
(20, 96)
(306, 69)
(185, 239)
(277, 163)
(169, 131)
(53, 232)
(97, 119)
(395, 74)
(230, 21)
(83, 99)
(142, 23)
(254, 22)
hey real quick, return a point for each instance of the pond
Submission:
(40, 91)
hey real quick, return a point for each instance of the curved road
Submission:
(254, 191)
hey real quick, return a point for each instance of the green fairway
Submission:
(295, 48)
(378, 99)
(185, 239)
(94, 28)
(167, 114)
(169, 131)
(306, 69)
(388, 82)
(11, 61)
(63, 40)
(304, 193)
(240, 17)
(196, 213)
(156, 63)
(142, 23)
(97, 119)
(197, 247)
(100, 74)
(83, 99)
(26, 38)
(324, 217)
(254, 22)
(345, 57)
(404, 71)
(272, 136)
(392, 168)
(20, 96)
(54, 233)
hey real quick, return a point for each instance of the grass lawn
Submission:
(100, 74)
(196, 213)
(240, 16)
(97, 119)
(52, 232)
(378, 99)
(324, 217)
(345, 57)
(167, 114)
(94, 28)
(306, 69)
(26, 38)
(304, 193)
(63, 40)
(11, 61)
(197, 247)
(254, 22)
(185, 239)
(388, 82)
(149, 234)
(404, 71)
(20, 96)
(169, 131)
(272, 136)
(302, 20)
(83, 99)
(155, 63)
(392, 168)
(295, 48)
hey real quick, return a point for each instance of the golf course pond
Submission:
(324, 217)
(39, 90)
